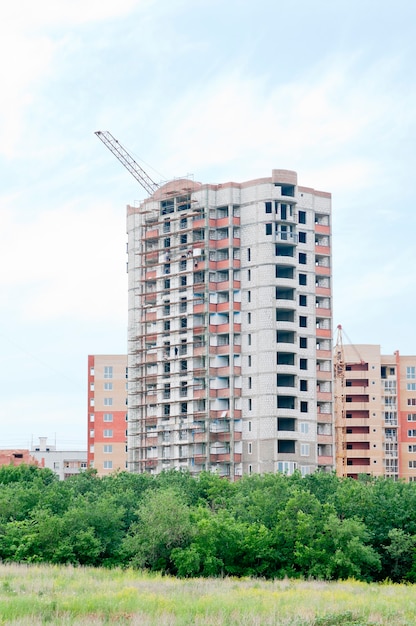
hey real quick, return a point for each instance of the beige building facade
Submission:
(107, 413)
(379, 405)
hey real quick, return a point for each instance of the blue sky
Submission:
(225, 90)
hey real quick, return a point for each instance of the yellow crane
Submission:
(339, 398)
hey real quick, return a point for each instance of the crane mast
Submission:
(340, 420)
(127, 160)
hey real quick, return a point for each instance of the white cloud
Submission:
(66, 262)
(330, 118)
(27, 47)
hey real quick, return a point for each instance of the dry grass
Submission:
(67, 595)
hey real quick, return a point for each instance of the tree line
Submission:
(271, 526)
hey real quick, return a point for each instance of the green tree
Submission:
(164, 523)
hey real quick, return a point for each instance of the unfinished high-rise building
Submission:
(230, 328)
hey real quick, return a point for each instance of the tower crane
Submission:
(340, 419)
(127, 160)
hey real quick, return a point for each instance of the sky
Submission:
(220, 89)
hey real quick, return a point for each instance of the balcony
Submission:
(151, 234)
(224, 457)
(324, 250)
(324, 439)
(323, 332)
(324, 396)
(321, 270)
(325, 460)
(321, 229)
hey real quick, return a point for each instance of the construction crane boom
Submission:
(127, 160)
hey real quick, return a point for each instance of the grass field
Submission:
(66, 595)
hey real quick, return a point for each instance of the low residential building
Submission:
(64, 463)
(18, 457)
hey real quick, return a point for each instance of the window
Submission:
(284, 271)
(285, 315)
(184, 408)
(303, 342)
(248, 254)
(412, 448)
(303, 407)
(182, 265)
(411, 372)
(108, 386)
(411, 402)
(303, 321)
(249, 275)
(304, 449)
(167, 283)
(183, 222)
(166, 410)
(184, 366)
(302, 217)
(249, 426)
(250, 447)
(412, 464)
(184, 322)
(108, 417)
(249, 296)
(411, 386)
(108, 448)
(108, 401)
(303, 364)
(285, 402)
(302, 258)
(268, 229)
(302, 237)
(303, 385)
(268, 207)
(166, 242)
(249, 382)
(249, 360)
(249, 339)
(108, 465)
(166, 325)
(250, 404)
(249, 317)
(166, 367)
(166, 226)
(302, 279)
(166, 268)
(108, 432)
(285, 358)
(285, 336)
(304, 428)
(285, 250)
(411, 433)
(411, 417)
(108, 371)
(92, 434)
(183, 238)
